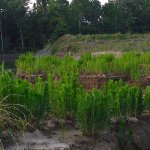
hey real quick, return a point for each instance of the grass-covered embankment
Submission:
(101, 42)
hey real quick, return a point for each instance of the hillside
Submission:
(100, 42)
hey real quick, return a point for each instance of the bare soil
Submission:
(90, 81)
(50, 137)
(32, 77)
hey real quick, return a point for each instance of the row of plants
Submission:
(134, 65)
(28, 63)
(64, 98)
(61, 95)
(43, 96)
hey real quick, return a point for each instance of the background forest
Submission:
(23, 28)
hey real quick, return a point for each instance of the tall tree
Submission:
(86, 15)
(2, 12)
(42, 4)
(93, 16)
(17, 9)
(109, 13)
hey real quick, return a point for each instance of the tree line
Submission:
(23, 28)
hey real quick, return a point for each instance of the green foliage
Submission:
(124, 100)
(115, 100)
(84, 58)
(116, 36)
(99, 64)
(61, 95)
(130, 64)
(126, 139)
(64, 98)
(63, 87)
(24, 93)
(93, 112)
(101, 42)
(139, 98)
(56, 18)
(60, 89)
(27, 63)
(10, 116)
(147, 98)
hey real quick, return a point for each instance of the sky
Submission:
(102, 2)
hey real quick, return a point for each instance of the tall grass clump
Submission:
(10, 115)
(85, 57)
(128, 64)
(28, 63)
(32, 97)
(24, 93)
(63, 87)
(98, 64)
(93, 112)
(133, 65)
(145, 63)
(116, 100)
(25, 63)
(12, 118)
(124, 100)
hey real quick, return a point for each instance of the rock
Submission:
(133, 120)
(50, 124)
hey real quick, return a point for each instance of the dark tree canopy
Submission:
(23, 29)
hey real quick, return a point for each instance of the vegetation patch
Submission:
(60, 93)
(100, 42)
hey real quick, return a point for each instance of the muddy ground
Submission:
(50, 137)
(90, 81)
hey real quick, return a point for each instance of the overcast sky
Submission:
(102, 2)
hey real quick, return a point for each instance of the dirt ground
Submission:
(50, 137)
(90, 81)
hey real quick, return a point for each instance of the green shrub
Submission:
(25, 63)
(124, 100)
(62, 86)
(134, 65)
(93, 112)
(24, 93)
(98, 64)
